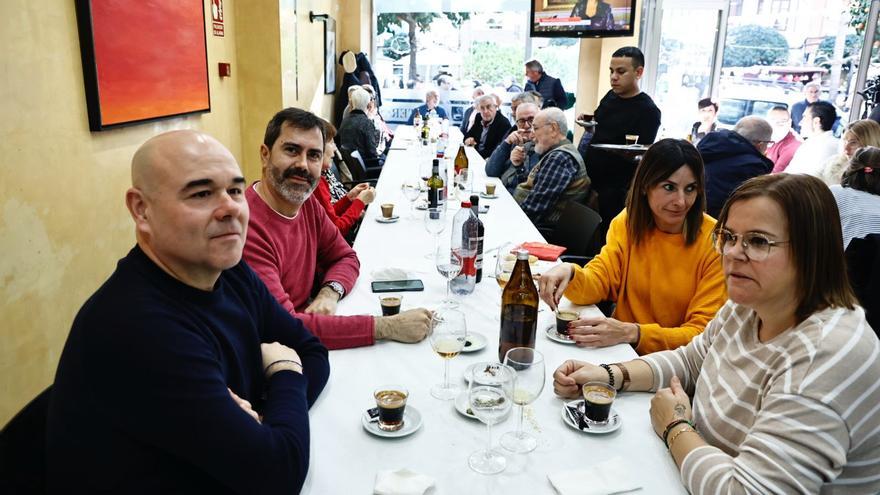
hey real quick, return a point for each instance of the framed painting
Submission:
(329, 56)
(142, 61)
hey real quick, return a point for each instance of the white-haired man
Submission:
(432, 100)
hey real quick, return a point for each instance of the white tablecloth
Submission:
(345, 458)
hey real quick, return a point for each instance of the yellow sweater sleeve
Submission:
(600, 279)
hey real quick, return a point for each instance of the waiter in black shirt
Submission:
(623, 110)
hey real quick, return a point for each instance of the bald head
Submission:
(755, 129)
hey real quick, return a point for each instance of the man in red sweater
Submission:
(292, 244)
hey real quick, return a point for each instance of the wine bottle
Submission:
(461, 159)
(464, 242)
(481, 234)
(435, 185)
(426, 128)
(519, 308)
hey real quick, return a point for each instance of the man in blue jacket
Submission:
(732, 157)
(549, 87)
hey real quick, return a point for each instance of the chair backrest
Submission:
(863, 268)
(355, 166)
(23, 448)
(576, 229)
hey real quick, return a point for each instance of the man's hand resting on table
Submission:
(324, 303)
(409, 326)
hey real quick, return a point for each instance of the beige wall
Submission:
(63, 223)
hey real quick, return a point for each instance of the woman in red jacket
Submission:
(347, 210)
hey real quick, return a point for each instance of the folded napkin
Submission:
(544, 251)
(605, 478)
(401, 482)
(384, 274)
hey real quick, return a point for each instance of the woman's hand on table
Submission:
(553, 282)
(668, 405)
(602, 332)
(572, 374)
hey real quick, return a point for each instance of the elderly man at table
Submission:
(514, 158)
(820, 144)
(558, 177)
(292, 243)
(732, 157)
(489, 127)
(155, 386)
(624, 110)
(432, 100)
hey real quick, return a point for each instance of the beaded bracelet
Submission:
(672, 425)
(610, 375)
(273, 363)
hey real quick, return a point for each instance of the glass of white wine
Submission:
(490, 394)
(412, 189)
(448, 262)
(504, 264)
(448, 334)
(529, 366)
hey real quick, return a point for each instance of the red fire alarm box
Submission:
(225, 69)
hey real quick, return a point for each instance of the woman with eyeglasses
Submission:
(658, 264)
(780, 394)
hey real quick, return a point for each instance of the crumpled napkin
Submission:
(605, 478)
(383, 274)
(401, 482)
(544, 251)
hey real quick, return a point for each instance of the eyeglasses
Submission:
(523, 122)
(756, 246)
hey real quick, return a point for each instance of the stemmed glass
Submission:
(448, 262)
(435, 224)
(489, 397)
(448, 334)
(503, 266)
(411, 190)
(529, 366)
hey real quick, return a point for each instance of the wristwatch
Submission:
(336, 287)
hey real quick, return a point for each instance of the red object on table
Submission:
(544, 251)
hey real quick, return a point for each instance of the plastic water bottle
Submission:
(465, 237)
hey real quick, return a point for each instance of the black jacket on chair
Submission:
(497, 130)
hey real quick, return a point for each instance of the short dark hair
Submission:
(826, 113)
(706, 102)
(814, 237)
(535, 66)
(633, 52)
(295, 117)
(661, 160)
(863, 173)
(780, 108)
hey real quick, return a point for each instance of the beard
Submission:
(293, 192)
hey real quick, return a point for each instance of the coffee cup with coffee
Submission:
(563, 319)
(598, 397)
(387, 209)
(391, 402)
(390, 305)
(490, 189)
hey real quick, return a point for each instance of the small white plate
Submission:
(487, 196)
(422, 206)
(591, 123)
(474, 342)
(469, 372)
(412, 421)
(551, 334)
(613, 424)
(388, 220)
(462, 406)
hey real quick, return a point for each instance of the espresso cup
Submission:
(632, 138)
(387, 209)
(598, 397)
(563, 319)
(390, 305)
(490, 188)
(391, 402)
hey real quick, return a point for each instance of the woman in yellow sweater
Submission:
(658, 263)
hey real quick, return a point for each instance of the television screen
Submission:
(582, 18)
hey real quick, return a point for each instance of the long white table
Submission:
(345, 458)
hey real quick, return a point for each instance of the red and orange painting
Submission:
(143, 60)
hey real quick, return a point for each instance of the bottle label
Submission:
(433, 197)
(476, 245)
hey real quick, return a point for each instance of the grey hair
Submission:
(484, 98)
(524, 97)
(535, 65)
(555, 115)
(360, 99)
(431, 92)
(755, 129)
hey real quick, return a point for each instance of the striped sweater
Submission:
(797, 414)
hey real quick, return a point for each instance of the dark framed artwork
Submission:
(329, 56)
(142, 61)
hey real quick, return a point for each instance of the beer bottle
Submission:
(435, 185)
(519, 308)
(481, 233)
(461, 159)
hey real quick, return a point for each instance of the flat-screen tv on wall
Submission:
(582, 18)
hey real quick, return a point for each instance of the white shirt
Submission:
(859, 213)
(811, 157)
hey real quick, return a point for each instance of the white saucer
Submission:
(551, 334)
(477, 342)
(462, 406)
(613, 424)
(388, 220)
(412, 421)
(469, 372)
(486, 196)
(422, 206)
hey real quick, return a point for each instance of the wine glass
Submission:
(448, 334)
(489, 396)
(411, 190)
(503, 266)
(529, 366)
(449, 263)
(435, 224)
